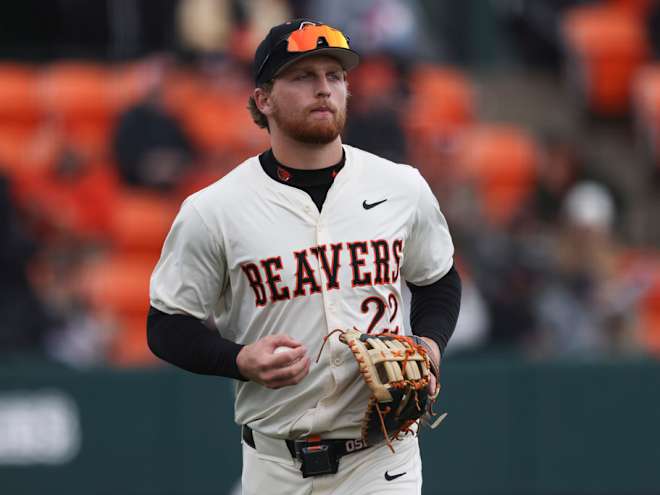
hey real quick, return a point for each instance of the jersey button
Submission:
(337, 362)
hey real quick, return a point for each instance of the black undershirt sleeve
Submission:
(185, 342)
(434, 308)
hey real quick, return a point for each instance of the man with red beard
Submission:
(308, 237)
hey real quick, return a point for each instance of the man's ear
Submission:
(263, 100)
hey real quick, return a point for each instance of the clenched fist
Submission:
(261, 364)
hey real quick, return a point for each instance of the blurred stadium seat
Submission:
(605, 46)
(220, 124)
(129, 83)
(26, 154)
(649, 307)
(635, 7)
(80, 95)
(85, 199)
(181, 89)
(76, 90)
(441, 105)
(501, 160)
(119, 283)
(374, 75)
(130, 346)
(19, 95)
(650, 314)
(141, 221)
(647, 110)
(117, 288)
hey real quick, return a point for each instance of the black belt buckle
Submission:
(317, 460)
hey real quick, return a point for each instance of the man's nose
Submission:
(323, 87)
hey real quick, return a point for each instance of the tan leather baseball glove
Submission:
(397, 370)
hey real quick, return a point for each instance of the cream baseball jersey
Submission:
(255, 257)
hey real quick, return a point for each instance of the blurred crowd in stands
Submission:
(96, 156)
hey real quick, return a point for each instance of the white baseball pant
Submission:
(270, 469)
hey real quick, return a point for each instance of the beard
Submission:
(302, 128)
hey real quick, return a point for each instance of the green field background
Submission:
(513, 428)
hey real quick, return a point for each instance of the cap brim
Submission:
(346, 57)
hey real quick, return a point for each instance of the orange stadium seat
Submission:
(129, 84)
(440, 107)
(449, 89)
(220, 124)
(501, 160)
(650, 313)
(651, 321)
(606, 46)
(117, 289)
(19, 95)
(130, 345)
(82, 96)
(639, 269)
(26, 154)
(203, 176)
(119, 283)
(181, 89)
(85, 201)
(141, 220)
(635, 7)
(647, 109)
(15, 146)
(374, 75)
(77, 90)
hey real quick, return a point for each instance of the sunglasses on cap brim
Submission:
(310, 37)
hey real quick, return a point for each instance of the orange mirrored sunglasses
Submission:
(308, 38)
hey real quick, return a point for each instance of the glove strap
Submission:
(435, 367)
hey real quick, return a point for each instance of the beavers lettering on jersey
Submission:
(369, 262)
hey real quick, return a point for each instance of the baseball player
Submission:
(310, 236)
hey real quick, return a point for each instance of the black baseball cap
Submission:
(272, 54)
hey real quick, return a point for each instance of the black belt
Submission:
(248, 438)
(318, 456)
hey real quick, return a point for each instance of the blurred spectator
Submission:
(227, 27)
(653, 23)
(205, 26)
(150, 146)
(559, 168)
(472, 327)
(588, 307)
(377, 26)
(473, 323)
(24, 320)
(375, 122)
(260, 16)
(77, 336)
(534, 29)
(509, 270)
(67, 206)
(215, 118)
(84, 191)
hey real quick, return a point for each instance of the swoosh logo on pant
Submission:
(390, 477)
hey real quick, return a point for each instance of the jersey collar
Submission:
(298, 177)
